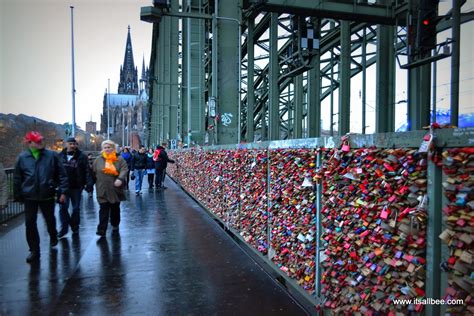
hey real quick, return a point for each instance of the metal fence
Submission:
(14, 208)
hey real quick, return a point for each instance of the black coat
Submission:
(150, 164)
(77, 168)
(163, 159)
(39, 179)
(139, 161)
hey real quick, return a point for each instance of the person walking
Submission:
(3, 188)
(128, 158)
(161, 162)
(109, 171)
(138, 168)
(38, 174)
(150, 168)
(76, 164)
(90, 160)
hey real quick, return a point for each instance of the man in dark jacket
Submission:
(38, 174)
(138, 168)
(161, 162)
(76, 164)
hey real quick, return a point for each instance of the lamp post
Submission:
(108, 109)
(123, 128)
(73, 129)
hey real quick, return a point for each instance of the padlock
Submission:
(426, 144)
(346, 146)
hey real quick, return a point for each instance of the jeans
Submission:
(106, 211)
(31, 216)
(138, 179)
(74, 196)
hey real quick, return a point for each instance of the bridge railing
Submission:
(13, 209)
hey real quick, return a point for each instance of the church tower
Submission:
(144, 78)
(128, 72)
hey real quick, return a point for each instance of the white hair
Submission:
(108, 142)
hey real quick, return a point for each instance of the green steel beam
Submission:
(154, 15)
(184, 79)
(419, 79)
(166, 77)
(350, 10)
(345, 79)
(174, 101)
(433, 247)
(455, 62)
(298, 105)
(364, 80)
(385, 96)
(228, 72)
(274, 89)
(151, 126)
(250, 81)
(314, 94)
(161, 71)
(197, 114)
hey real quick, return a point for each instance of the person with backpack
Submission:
(161, 162)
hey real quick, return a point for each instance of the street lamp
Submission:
(73, 130)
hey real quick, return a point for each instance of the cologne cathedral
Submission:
(127, 108)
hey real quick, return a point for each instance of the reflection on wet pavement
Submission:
(169, 257)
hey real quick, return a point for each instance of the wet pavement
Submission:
(169, 258)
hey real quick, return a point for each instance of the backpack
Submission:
(156, 155)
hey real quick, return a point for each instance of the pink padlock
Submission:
(346, 147)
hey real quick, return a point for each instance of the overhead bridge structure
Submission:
(229, 71)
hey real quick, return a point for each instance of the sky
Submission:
(36, 61)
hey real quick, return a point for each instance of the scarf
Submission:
(35, 152)
(109, 164)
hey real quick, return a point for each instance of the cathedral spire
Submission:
(128, 59)
(128, 73)
(143, 69)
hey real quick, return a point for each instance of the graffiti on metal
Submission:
(226, 119)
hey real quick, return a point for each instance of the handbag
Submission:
(132, 176)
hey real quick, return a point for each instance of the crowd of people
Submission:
(43, 177)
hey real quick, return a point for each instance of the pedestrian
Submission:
(109, 171)
(128, 158)
(138, 168)
(90, 160)
(38, 176)
(161, 162)
(76, 164)
(150, 168)
(3, 188)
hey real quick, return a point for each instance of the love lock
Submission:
(346, 147)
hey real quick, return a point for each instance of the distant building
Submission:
(91, 127)
(127, 107)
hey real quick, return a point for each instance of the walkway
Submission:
(170, 258)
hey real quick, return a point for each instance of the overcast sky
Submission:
(35, 54)
(35, 59)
